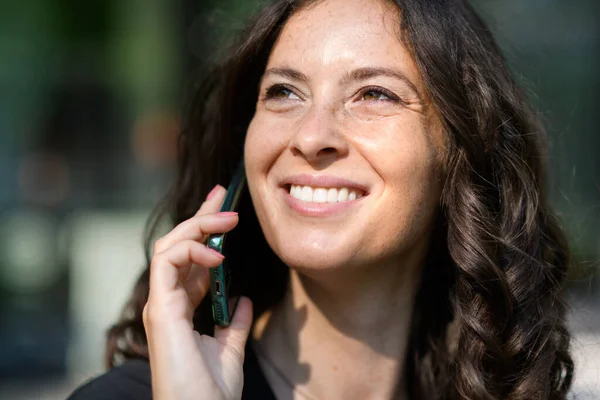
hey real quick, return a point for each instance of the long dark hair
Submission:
(489, 320)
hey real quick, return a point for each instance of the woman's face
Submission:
(343, 155)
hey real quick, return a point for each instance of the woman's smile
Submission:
(321, 195)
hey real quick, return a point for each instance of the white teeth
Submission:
(295, 191)
(307, 194)
(319, 195)
(343, 195)
(324, 195)
(332, 195)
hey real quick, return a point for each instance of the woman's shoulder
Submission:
(130, 380)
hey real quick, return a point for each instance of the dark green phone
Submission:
(220, 277)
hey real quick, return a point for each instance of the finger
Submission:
(170, 268)
(213, 201)
(197, 228)
(236, 334)
(197, 284)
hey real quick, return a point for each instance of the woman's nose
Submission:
(318, 138)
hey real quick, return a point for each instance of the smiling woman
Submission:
(395, 241)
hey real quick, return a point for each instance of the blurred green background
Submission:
(90, 100)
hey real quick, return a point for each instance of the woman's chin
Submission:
(315, 262)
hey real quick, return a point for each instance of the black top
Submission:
(131, 381)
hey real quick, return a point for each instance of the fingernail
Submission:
(226, 214)
(212, 192)
(216, 253)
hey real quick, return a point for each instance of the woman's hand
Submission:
(184, 364)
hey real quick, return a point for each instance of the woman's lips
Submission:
(313, 195)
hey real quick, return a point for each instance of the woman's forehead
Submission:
(352, 33)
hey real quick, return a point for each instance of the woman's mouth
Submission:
(322, 201)
(323, 195)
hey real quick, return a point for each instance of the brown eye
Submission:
(378, 94)
(280, 92)
(374, 95)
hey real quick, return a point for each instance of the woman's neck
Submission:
(340, 335)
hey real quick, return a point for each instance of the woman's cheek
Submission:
(265, 139)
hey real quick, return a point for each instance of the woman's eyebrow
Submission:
(362, 74)
(286, 72)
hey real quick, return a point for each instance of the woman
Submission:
(396, 241)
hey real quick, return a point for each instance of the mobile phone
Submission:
(220, 277)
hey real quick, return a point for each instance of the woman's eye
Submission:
(280, 92)
(378, 94)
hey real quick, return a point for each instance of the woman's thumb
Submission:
(236, 334)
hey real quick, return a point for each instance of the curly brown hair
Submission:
(489, 321)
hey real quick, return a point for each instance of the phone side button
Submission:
(217, 312)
